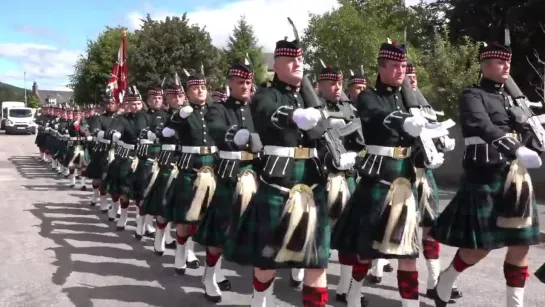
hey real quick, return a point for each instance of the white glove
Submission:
(413, 125)
(449, 143)
(337, 123)
(347, 161)
(528, 157)
(100, 135)
(242, 137)
(167, 132)
(151, 136)
(436, 161)
(306, 119)
(116, 136)
(186, 111)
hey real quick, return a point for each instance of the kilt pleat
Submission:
(469, 220)
(428, 220)
(246, 242)
(360, 223)
(180, 192)
(212, 230)
(153, 202)
(95, 168)
(140, 178)
(110, 178)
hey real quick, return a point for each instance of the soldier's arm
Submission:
(474, 118)
(372, 113)
(217, 123)
(141, 121)
(117, 126)
(269, 114)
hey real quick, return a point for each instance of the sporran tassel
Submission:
(204, 187)
(518, 196)
(337, 196)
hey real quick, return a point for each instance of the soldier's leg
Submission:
(359, 271)
(124, 203)
(160, 235)
(170, 242)
(346, 262)
(377, 271)
(140, 221)
(212, 290)
(114, 210)
(183, 234)
(296, 277)
(515, 270)
(83, 178)
(192, 261)
(315, 288)
(72, 172)
(407, 282)
(464, 259)
(96, 192)
(263, 287)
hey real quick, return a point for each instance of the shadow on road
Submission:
(29, 167)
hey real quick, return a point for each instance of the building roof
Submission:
(59, 96)
(268, 59)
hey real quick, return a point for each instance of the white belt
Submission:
(104, 141)
(473, 140)
(290, 152)
(199, 150)
(127, 146)
(145, 141)
(74, 138)
(392, 152)
(89, 138)
(236, 155)
(169, 147)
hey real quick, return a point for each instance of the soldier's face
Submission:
(111, 106)
(175, 100)
(289, 70)
(392, 72)
(155, 102)
(241, 88)
(354, 90)
(497, 70)
(331, 90)
(197, 93)
(413, 80)
(135, 106)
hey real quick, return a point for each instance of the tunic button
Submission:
(295, 95)
(243, 118)
(204, 133)
(204, 125)
(204, 141)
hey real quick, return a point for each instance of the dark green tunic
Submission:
(272, 110)
(224, 120)
(98, 159)
(469, 221)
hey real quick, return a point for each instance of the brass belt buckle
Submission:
(246, 156)
(400, 152)
(205, 150)
(302, 153)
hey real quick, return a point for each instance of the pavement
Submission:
(58, 251)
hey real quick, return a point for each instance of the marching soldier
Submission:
(101, 156)
(232, 128)
(381, 218)
(495, 205)
(75, 158)
(286, 224)
(193, 187)
(165, 169)
(341, 184)
(147, 151)
(125, 134)
(357, 83)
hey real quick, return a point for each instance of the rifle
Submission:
(415, 105)
(523, 114)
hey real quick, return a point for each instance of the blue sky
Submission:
(45, 38)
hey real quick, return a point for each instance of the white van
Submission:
(18, 120)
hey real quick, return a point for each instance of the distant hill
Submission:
(11, 93)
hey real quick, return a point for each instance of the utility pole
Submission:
(24, 78)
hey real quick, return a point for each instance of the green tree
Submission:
(167, 47)
(92, 70)
(33, 101)
(243, 42)
(448, 69)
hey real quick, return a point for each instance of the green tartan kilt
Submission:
(153, 202)
(70, 153)
(180, 193)
(427, 219)
(349, 258)
(469, 220)
(262, 217)
(96, 167)
(362, 220)
(540, 273)
(110, 178)
(61, 152)
(212, 230)
(141, 177)
(127, 177)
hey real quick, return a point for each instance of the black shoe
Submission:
(388, 268)
(119, 228)
(72, 186)
(225, 285)
(213, 299)
(171, 245)
(83, 188)
(373, 279)
(432, 294)
(364, 301)
(105, 211)
(294, 283)
(193, 264)
(92, 204)
(455, 294)
(439, 303)
(110, 218)
(180, 271)
(137, 236)
(78, 177)
(148, 234)
(117, 215)
(158, 252)
(340, 297)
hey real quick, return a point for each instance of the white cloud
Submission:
(48, 65)
(268, 17)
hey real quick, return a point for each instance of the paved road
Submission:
(56, 251)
